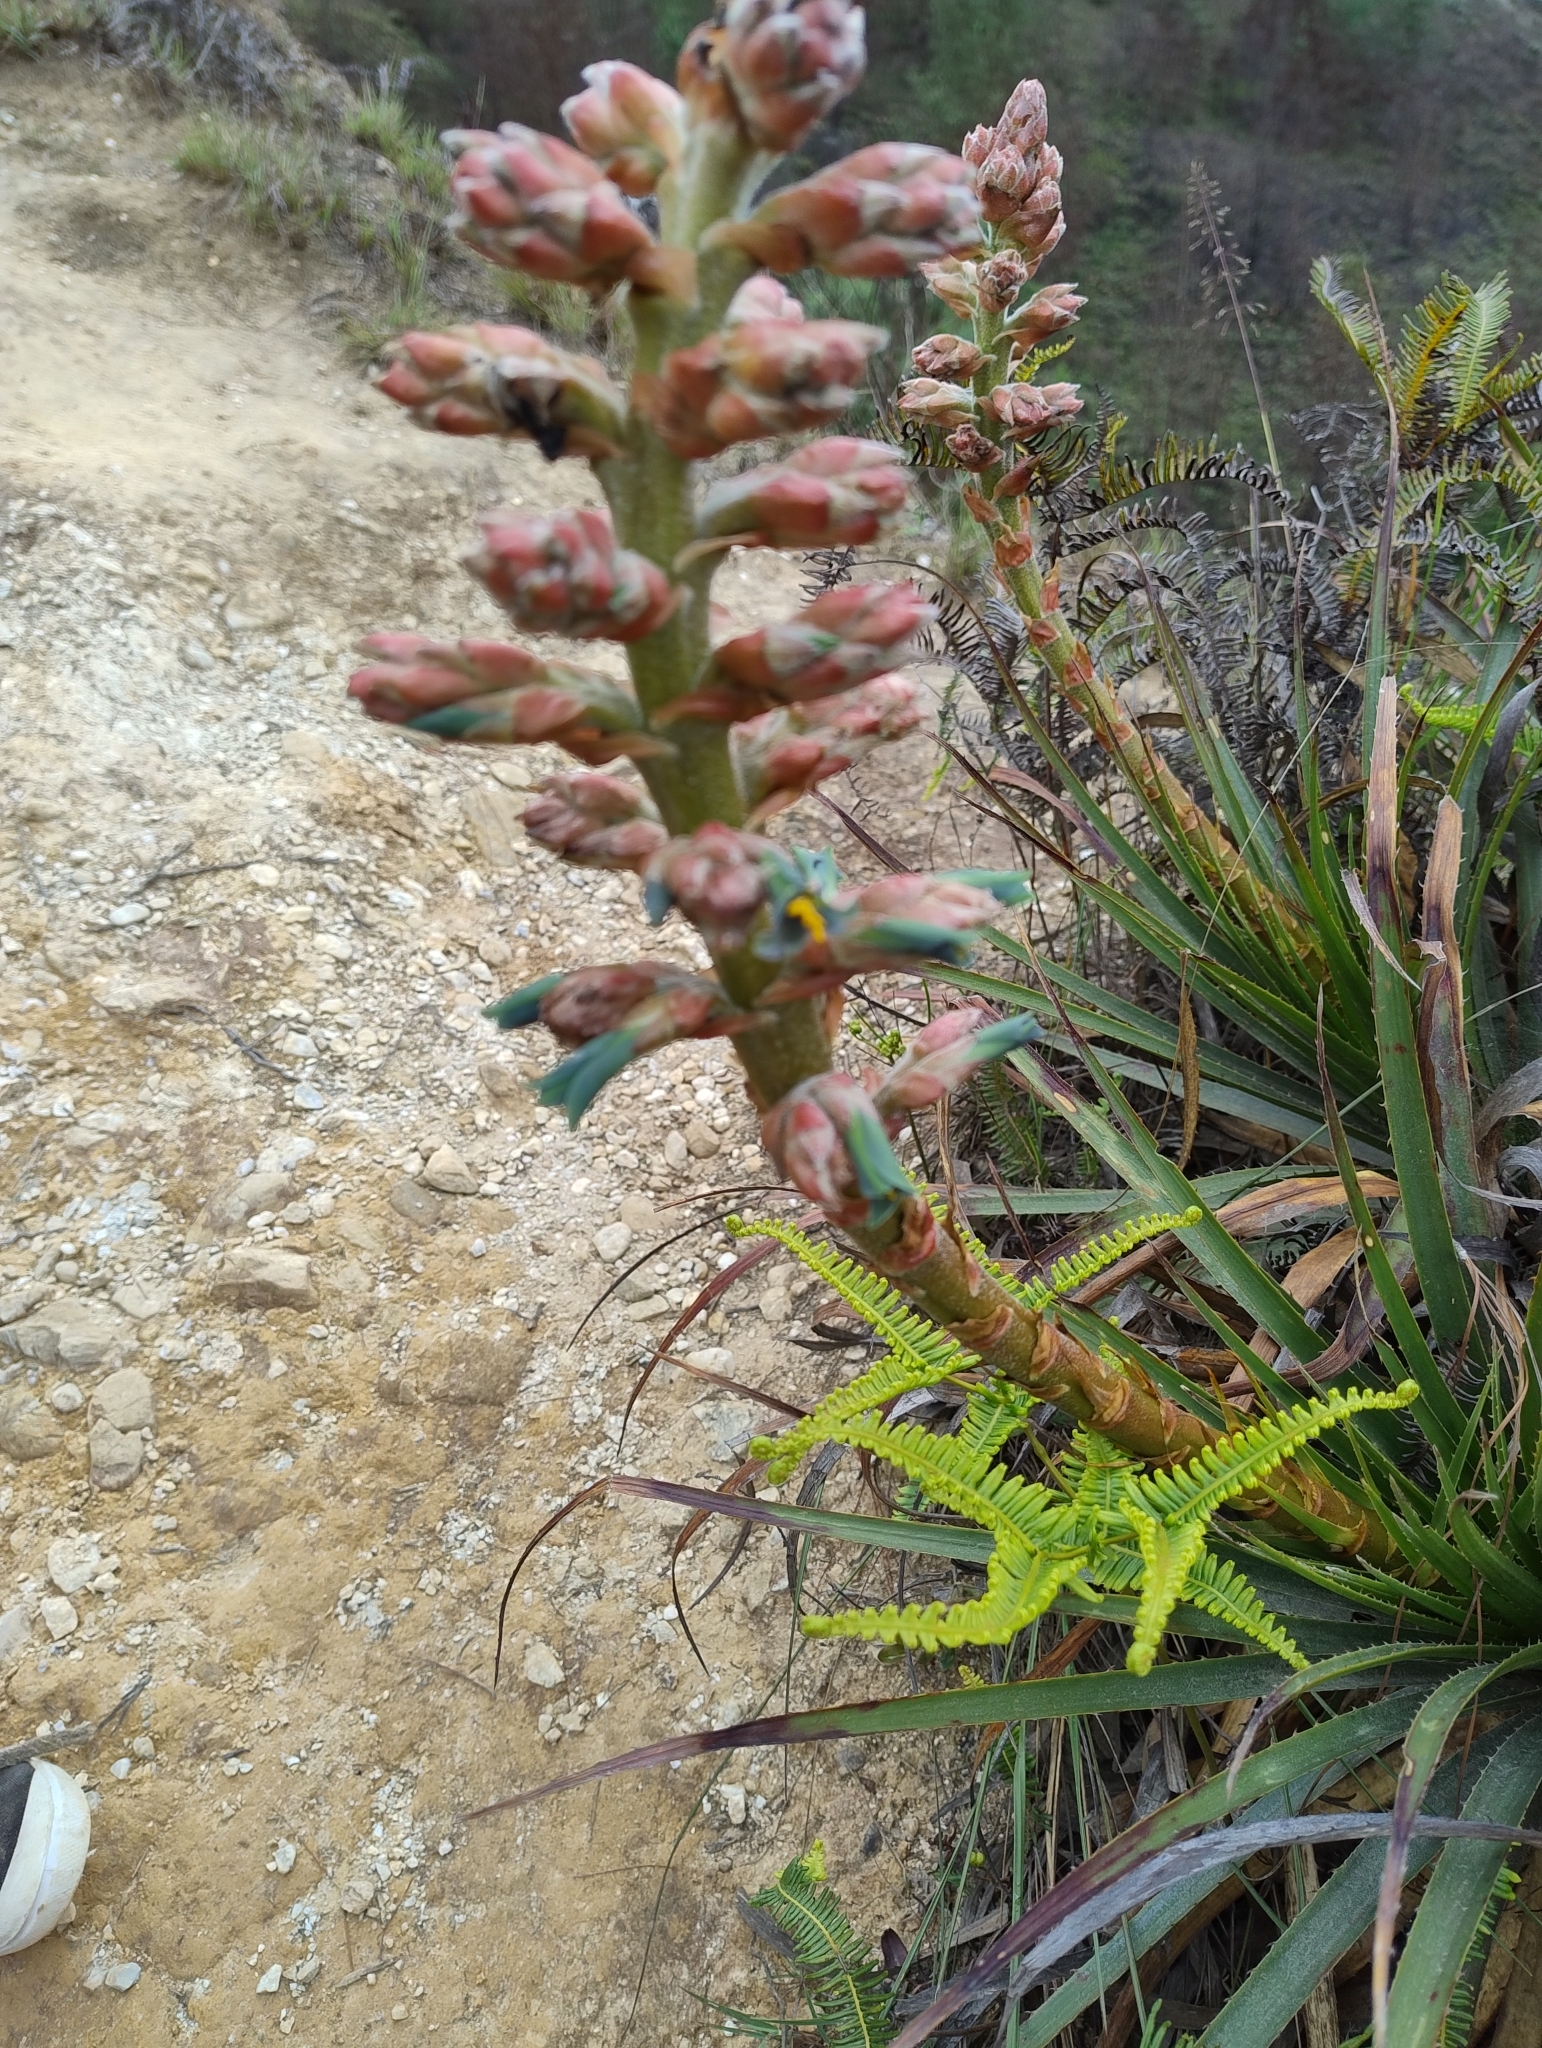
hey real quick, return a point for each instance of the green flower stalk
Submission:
(723, 737)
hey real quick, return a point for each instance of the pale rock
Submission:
(27, 1429)
(308, 1096)
(639, 1215)
(449, 1173)
(310, 748)
(735, 1804)
(263, 875)
(124, 914)
(283, 1857)
(511, 771)
(677, 1154)
(272, 1977)
(122, 1976)
(58, 1616)
(711, 1358)
(495, 951)
(613, 1242)
(728, 1425)
(332, 946)
(14, 1306)
(252, 1276)
(66, 1398)
(148, 995)
(236, 1201)
(775, 1305)
(503, 1082)
(116, 1457)
(645, 1311)
(67, 1333)
(73, 1562)
(15, 1634)
(322, 1204)
(126, 1398)
(494, 816)
(285, 1153)
(196, 656)
(543, 1667)
(702, 1142)
(416, 1204)
(139, 1303)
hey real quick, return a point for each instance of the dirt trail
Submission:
(291, 1407)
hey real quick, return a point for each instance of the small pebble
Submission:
(398, 2012)
(613, 1242)
(283, 1857)
(270, 1979)
(120, 1768)
(122, 1977)
(308, 1096)
(66, 1398)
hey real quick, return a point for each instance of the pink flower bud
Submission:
(506, 380)
(595, 821)
(789, 62)
(828, 1140)
(533, 203)
(1024, 410)
(562, 572)
(841, 639)
(879, 213)
(834, 493)
(1046, 313)
(1024, 121)
(756, 378)
(1000, 278)
(630, 123)
(936, 404)
(782, 755)
(951, 357)
(762, 297)
(944, 1055)
(714, 878)
(593, 1000)
(970, 449)
(486, 692)
(897, 921)
(956, 283)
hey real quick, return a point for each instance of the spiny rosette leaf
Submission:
(532, 202)
(565, 572)
(613, 1015)
(595, 821)
(783, 754)
(488, 693)
(881, 212)
(834, 493)
(487, 379)
(630, 123)
(789, 62)
(821, 934)
(848, 636)
(755, 378)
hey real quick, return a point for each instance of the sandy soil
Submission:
(291, 1407)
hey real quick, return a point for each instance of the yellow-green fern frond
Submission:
(994, 1414)
(1236, 1464)
(1099, 1253)
(1020, 1584)
(1168, 1554)
(886, 1313)
(966, 1481)
(893, 1375)
(1215, 1586)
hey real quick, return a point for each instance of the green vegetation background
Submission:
(1402, 134)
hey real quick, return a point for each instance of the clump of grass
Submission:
(381, 121)
(282, 182)
(23, 30)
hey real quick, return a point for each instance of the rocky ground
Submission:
(292, 1271)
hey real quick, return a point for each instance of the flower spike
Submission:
(789, 64)
(834, 493)
(715, 878)
(562, 572)
(829, 1141)
(879, 213)
(531, 202)
(595, 821)
(945, 1054)
(487, 692)
(756, 378)
(782, 755)
(505, 380)
(629, 122)
(843, 638)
